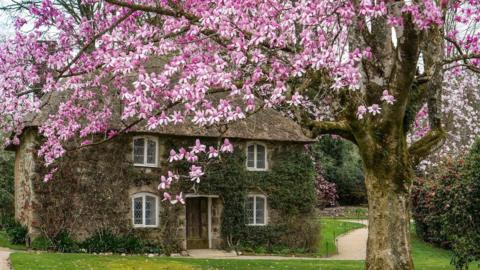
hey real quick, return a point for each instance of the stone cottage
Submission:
(114, 186)
(263, 194)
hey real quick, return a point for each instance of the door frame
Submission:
(209, 214)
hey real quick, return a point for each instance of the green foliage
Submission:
(106, 241)
(6, 183)
(63, 242)
(42, 243)
(462, 216)
(17, 233)
(289, 185)
(447, 208)
(342, 165)
(101, 241)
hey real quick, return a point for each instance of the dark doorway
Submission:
(197, 222)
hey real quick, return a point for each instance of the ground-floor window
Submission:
(256, 210)
(144, 210)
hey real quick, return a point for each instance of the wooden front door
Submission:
(197, 223)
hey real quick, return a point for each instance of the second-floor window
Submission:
(145, 151)
(256, 157)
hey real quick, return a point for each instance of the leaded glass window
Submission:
(256, 210)
(256, 157)
(145, 151)
(145, 210)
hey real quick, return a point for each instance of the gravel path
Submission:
(353, 245)
(4, 263)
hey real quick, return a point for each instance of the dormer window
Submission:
(145, 151)
(256, 157)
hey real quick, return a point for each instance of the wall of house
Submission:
(25, 173)
(93, 187)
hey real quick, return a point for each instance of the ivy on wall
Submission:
(87, 176)
(289, 185)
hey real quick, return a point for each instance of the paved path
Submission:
(4, 263)
(352, 245)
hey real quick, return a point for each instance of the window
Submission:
(145, 151)
(144, 210)
(256, 157)
(256, 210)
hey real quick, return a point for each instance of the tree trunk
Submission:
(388, 180)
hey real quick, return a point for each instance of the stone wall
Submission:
(25, 165)
(93, 187)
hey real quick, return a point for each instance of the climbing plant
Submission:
(289, 185)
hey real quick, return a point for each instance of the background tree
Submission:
(6, 186)
(349, 68)
(341, 165)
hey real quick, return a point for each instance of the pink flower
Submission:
(212, 152)
(178, 198)
(374, 109)
(176, 117)
(387, 97)
(191, 157)
(198, 147)
(226, 146)
(195, 173)
(361, 111)
(167, 196)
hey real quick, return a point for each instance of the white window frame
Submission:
(145, 164)
(144, 195)
(265, 210)
(254, 168)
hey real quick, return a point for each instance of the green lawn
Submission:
(425, 256)
(5, 243)
(331, 229)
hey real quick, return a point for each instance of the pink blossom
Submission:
(212, 152)
(195, 173)
(198, 147)
(361, 110)
(374, 109)
(387, 97)
(226, 146)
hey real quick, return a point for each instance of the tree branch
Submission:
(420, 149)
(340, 128)
(462, 57)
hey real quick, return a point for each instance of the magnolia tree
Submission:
(361, 70)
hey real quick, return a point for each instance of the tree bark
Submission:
(388, 178)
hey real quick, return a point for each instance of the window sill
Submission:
(145, 226)
(256, 225)
(145, 165)
(256, 170)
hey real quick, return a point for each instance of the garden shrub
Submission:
(42, 243)
(446, 207)
(17, 233)
(63, 242)
(105, 240)
(101, 241)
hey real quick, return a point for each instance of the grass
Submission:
(330, 230)
(4, 242)
(425, 256)
(51, 261)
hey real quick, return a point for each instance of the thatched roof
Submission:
(266, 124)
